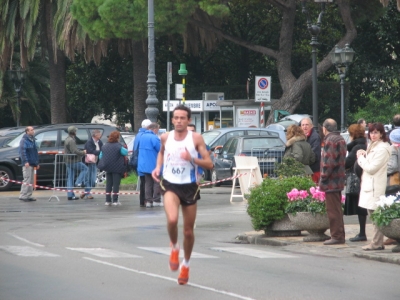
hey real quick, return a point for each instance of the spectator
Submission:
(92, 146)
(112, 161)
(332, 179)
(313, 138)
(145, 124)
(298, 148)
(362, 122)
(73, 161)
(374, 162)
(148, 151)
(358, 141)
(30, 160)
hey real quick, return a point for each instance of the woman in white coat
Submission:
(374, 162)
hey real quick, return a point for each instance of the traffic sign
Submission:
(263, 89)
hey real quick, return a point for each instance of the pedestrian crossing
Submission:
(28, 251)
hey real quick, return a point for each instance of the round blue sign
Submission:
(263, 83)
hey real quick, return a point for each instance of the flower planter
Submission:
(393, 231)
(315, 224)
(283, 227)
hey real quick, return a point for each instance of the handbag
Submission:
(352, 182)
(90, 159)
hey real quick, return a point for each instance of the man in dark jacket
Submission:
(315, 142)
(333, 178)
(73, 161)
(29, 160)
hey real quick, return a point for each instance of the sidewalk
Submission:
(347, 249)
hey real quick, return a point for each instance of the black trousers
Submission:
(113, 181)
(142, 195)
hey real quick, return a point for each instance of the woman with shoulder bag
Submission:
(358, 142)
(112, 160)
(93, 148)
(373, 181)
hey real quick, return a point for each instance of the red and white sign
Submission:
(263, 89)
(246, 117)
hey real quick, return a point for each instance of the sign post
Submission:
(262, 94)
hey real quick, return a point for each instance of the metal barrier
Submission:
(267, 159)
(71, 175)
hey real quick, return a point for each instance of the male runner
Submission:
(179, 158)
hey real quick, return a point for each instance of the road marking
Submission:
(101, 252)
(27, 251)
(170, 279)
(167, 251)
(25, 240)
(252, 252)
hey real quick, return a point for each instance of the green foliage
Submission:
(380, 109)
(267, 202)
(132, 178)
(382, 216)
(289, 167)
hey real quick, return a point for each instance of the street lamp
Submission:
(314, 30)
(151, 101)
(342, 58)
(18, 79)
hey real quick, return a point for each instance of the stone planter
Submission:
(283, 227)
(316, 225)
(393, 231)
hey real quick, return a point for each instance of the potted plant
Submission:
(307, 210)
(387, 218)
(267, 203)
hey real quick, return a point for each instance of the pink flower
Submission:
(343, 200)
(295, 195)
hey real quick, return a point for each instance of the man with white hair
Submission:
(315, 142)
(145, 123)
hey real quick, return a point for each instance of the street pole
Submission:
(151, 101)
(183, 72)
(169, 82)
(314, 30)
(342, 76)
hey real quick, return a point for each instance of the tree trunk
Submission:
(139, 83)
(57, 72)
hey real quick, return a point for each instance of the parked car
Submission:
(49, 140)
(129, 139)
(217, 138)
(268, 150)
(286, 121)
(11, 131)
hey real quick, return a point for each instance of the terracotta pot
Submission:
(316, 225)
(393, 231)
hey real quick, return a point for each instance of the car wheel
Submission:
(101, 176)
(7, 174)
(214, 178)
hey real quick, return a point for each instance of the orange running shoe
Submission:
(174, 259)
(183, 275)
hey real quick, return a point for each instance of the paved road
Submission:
(85, 250)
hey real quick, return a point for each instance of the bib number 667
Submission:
(178, 170)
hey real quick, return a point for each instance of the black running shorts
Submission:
(188, 193)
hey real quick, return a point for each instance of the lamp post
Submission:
(342, 58)
(314, 30)
(151, 101)
(18, 79)
(183, 72)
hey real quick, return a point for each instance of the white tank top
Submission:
(176, 169)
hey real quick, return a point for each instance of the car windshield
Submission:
(15, 142)
(128, 138)
(264, 143)
(209, 136)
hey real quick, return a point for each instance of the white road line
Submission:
(101, 252)
(170, 279)
(252, 252)
(27, 251)
(25, 240)
(167, 251)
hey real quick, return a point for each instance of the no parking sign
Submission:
(263, 89)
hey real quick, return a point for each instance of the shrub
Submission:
(289, 167)
(267, 202)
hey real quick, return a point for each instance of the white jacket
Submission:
(373, 180)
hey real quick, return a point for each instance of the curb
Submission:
(386, 256)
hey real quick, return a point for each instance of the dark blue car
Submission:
(268, 150)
